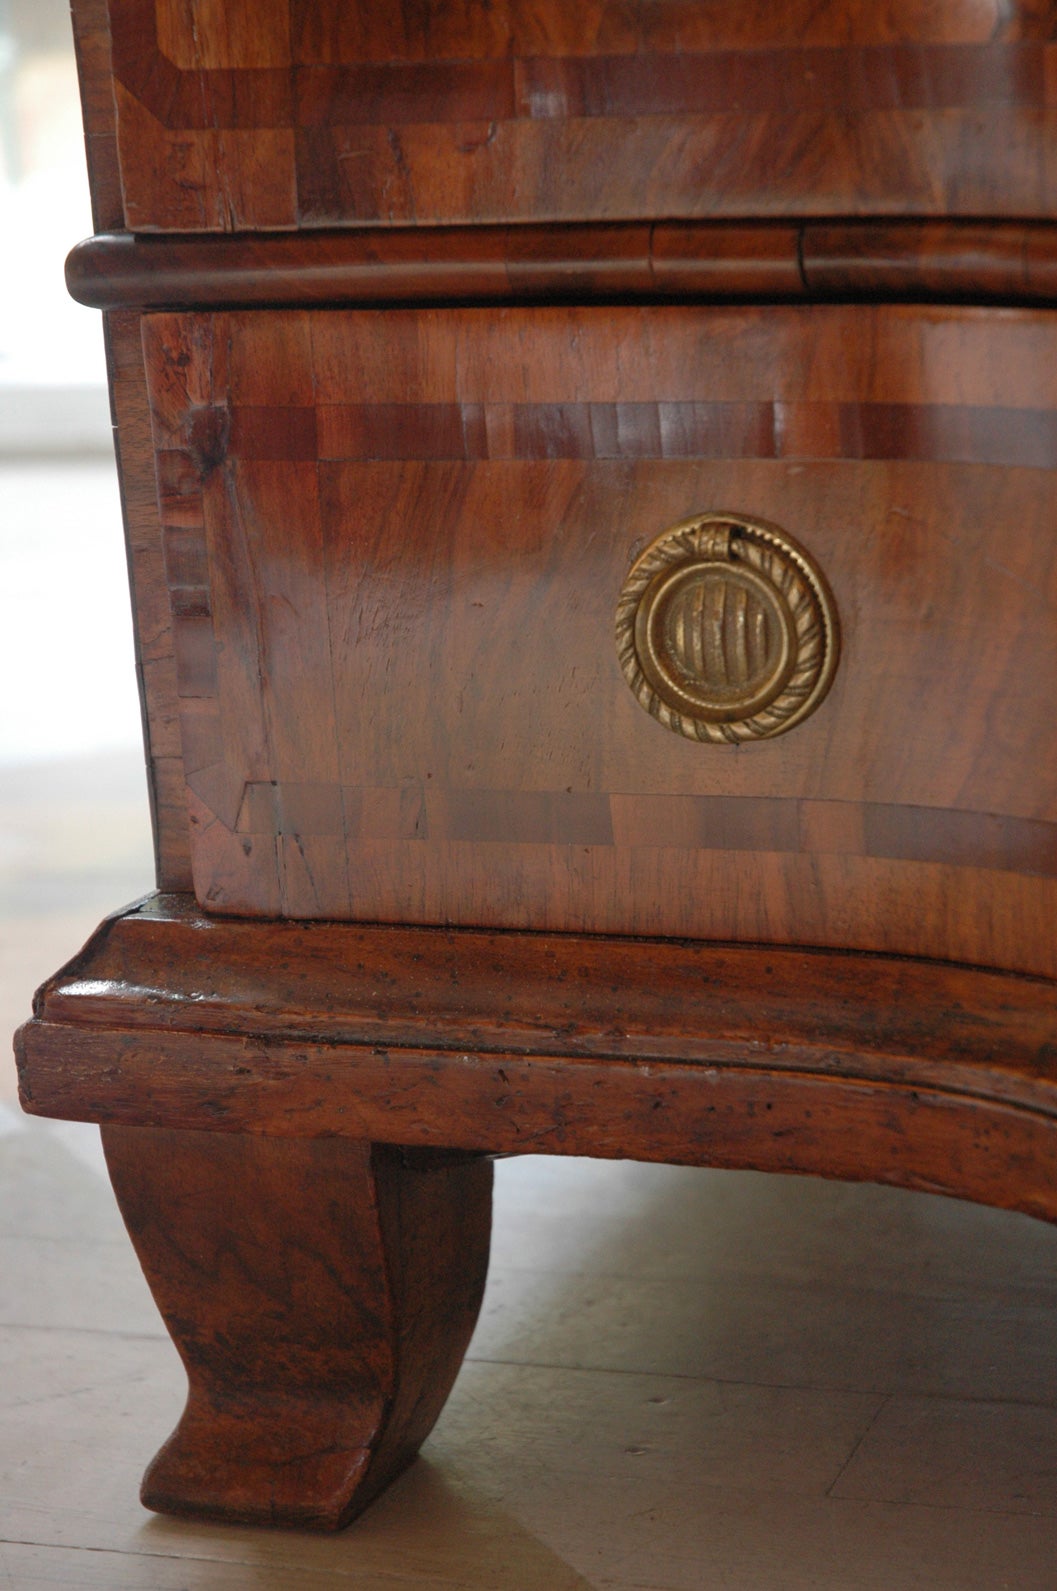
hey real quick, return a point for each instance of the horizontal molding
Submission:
(968, 1139)
(904, 1071)
(366, 983)
(966, 262)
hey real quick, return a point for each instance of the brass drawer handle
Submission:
(727, 630)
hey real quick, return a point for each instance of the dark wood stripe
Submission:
(288, 432)
(728, 823)
(521, 817)
(398, 92)
(947, 433)
(546, 431)
(961, 839)
(305, 809)
(901, 77)
(473, 431)
(170, 811)
(401, 431)
(1005, 262)
(644, 430)
(1026, 437)
(190, 602)
(877, 77)
(710, 823)
(386, 814)
(250, 97)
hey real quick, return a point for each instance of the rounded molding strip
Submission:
(727, 630)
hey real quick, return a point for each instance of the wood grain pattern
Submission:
(375, 558)
(523, 263)
(931, 260)
(156, 656)
(91, 37)
(340, 114)
(358, 31)
(317, 1365)
(909, 449)
(949, 260)
(914, 1073)
(651, 822)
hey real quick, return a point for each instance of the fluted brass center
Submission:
(726, 629)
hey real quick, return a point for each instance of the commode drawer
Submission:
(396, 545)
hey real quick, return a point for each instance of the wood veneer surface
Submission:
(230, 116)
(949, 261)
(395, 547)
(155, 657)
(375, 588)
(915, 1073)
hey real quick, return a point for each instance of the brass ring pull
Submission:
(727, 630)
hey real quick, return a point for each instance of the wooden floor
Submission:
(682, 1380)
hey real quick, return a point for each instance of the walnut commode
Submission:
(419, 318)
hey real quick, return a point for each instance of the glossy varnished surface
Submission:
(165, 966)
(855, 1067)
(944, 260)
(232, 117)
(533, 263)
(376, 557)
(318, 1365)
(394, 551)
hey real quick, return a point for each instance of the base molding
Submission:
(860, 1067)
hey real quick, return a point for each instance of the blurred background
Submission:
(74, 833)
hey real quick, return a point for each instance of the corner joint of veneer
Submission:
(208, 435)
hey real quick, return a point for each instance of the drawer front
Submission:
(395, 547)
(225, 115)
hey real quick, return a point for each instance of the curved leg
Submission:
(321, 1293)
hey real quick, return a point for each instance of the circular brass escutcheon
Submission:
(727, 630)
